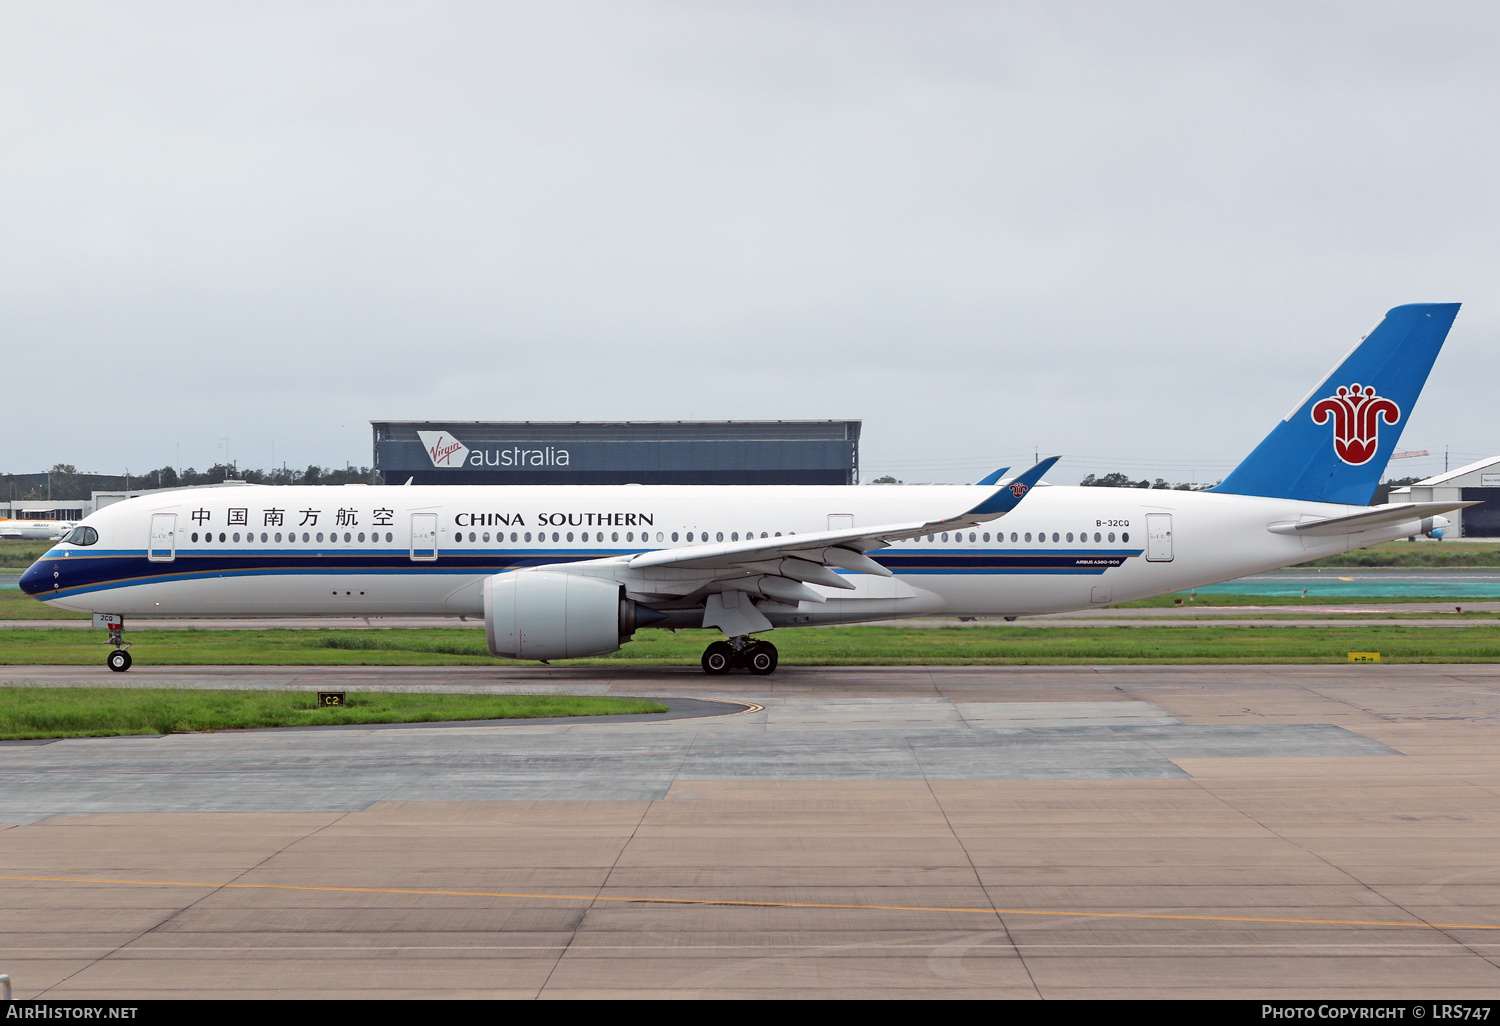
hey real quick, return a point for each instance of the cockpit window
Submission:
(82, 536)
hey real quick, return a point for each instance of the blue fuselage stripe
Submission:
(77, 573)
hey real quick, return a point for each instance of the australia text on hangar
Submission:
(446, 451)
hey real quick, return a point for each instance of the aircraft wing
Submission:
(724, 578)
(805, 558)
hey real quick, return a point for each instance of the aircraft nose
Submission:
(38, 577)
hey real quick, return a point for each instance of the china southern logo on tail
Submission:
(443, 449)
(1356, 414)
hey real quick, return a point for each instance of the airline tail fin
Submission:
(1334, 445)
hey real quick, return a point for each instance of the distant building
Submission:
(734, 452)
(77, 509)
(1478, 482)
(41, 509)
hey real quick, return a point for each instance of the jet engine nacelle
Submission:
(538, 614)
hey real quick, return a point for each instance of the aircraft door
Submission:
(162, 547)
(1159, 537)
(424, 533)
(840, 521)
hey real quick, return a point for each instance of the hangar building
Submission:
(732, 452)
(1477, 482)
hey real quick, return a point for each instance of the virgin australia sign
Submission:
(446, 451)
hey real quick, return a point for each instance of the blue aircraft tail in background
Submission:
(1335, 445)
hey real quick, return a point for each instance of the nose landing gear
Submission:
(119, 659)
(741, 653)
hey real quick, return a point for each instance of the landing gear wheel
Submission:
(761, 658)
(717, 658)
(119, 660)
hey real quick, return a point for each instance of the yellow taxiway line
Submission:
(756, 904)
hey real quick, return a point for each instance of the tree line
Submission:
(1118, 480)
(64, 481)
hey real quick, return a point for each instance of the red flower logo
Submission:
(1356, 414)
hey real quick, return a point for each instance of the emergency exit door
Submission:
(1159, 537)
(162, 547)
(424, 536)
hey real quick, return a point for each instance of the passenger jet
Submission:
(560, 572)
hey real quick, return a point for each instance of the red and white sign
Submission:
(1356, 414)
(443, 449)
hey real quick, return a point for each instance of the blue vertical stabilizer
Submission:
(1335, 445)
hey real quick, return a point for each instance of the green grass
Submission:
(854, 646)
(32, 712)
(1220, 599)
(20, 552)
(15, 604)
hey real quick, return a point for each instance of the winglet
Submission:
(1008, 498)
(994, 478)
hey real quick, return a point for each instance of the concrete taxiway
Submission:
(1251, 831)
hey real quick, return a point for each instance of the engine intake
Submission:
(539, 614)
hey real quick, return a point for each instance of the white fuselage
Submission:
(35, 530)
(366, 551)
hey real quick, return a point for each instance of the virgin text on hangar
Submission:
(624, 452)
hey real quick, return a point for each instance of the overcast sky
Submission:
(1134, 234)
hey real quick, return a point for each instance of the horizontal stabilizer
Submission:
(1380, 516)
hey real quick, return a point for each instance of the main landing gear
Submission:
(743, 652)
(119, 659)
